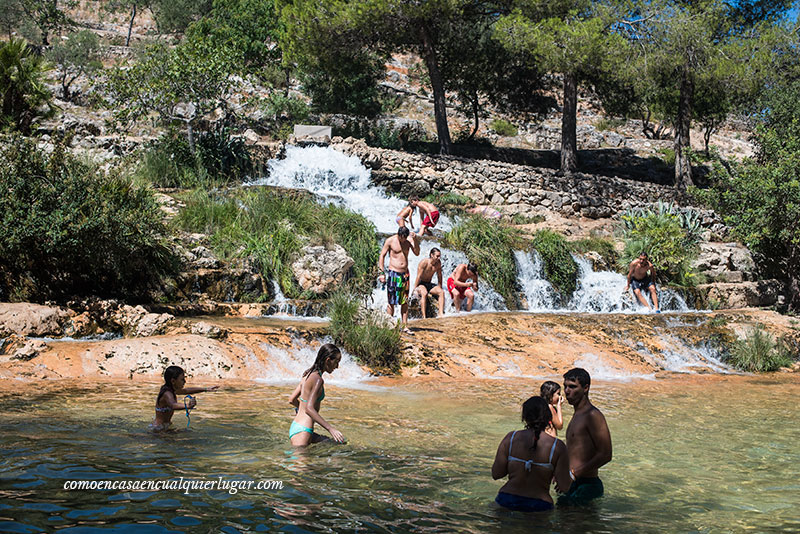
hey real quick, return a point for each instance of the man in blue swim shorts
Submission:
(396, 277)
(640, 277)
(588, 441)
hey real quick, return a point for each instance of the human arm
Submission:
(558, 417)
(195, 391)
(500, 465)
(630, 275)
(601, 438)
(414, 240)
(439, 274)
(420, 268)
(173, 402)
(381, 259)
(653, 272)
(561, 473)
(312, 412)
(294, 398)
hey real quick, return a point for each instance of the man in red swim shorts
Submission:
(430, 218)
(460, 289)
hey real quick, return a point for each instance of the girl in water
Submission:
(167, 400)
(308, 396)
(551, 392)
(531, 458)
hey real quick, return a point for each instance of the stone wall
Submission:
(510, 187)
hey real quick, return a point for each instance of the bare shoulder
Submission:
(596, 418)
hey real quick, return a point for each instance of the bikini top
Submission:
(321, 395)
(530, 463)
(165, 409)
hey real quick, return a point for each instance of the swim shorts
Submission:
(642, 284)
(451, 286)
(427, 285)
(522, 504)
(582, 491)
(431, 220)
(397, 287)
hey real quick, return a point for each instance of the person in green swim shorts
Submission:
(588, 441)
(307, 398)
(396, 276)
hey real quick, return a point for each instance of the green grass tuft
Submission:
(759, 352)
(604, 247)
(504, 128)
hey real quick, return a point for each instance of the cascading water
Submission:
(340, 179)
(287, 366)
(538, 292)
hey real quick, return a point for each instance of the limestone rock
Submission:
(27, 319)
(725, 262)
(321, 269)
(743, 295)
(209, 330)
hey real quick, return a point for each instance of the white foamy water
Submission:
(601, 370)
(287, 366)
(679, 357)
(486, 298)
(538, 292)
(339, 179)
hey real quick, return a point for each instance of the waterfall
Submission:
(538, 292)
(287, 365)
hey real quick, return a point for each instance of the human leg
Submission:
(640, 298)
(439, 293)
(423, 298)
(470, 298)
(654, 296)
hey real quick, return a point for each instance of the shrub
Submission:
(272, 227)
(25, 96)
(759, 352)
(560, 268)
(670, 247)
(609, 124)
(282, 112)
(519, 218)
(490, 246)
(442, 199)
(374, 345)
(667, 156)
(504, 128)
(604, 247)
(70, 231)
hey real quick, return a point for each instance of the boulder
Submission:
(725, 262)
(742, 295)
(320, 269)
(35, 320)
(209, 330)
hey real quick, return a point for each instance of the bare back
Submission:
(533, 483)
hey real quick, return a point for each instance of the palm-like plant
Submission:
(25, 97)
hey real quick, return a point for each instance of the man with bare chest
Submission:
(641, 274)
(588, 441)
(396, 277)
(424, 285)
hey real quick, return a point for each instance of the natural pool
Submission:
(691, 454)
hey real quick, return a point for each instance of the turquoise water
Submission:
(691, 454)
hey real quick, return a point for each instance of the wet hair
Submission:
(549, 389)
(434, 250)
(643, 253)
(403, 231)
(170, 373)
(579, 375)
(326, 352)
(536, 415)
(413, 198)
(471, 267)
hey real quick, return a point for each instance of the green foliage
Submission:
(78, 55)
(379, 133)
(609, 124)
(362, 334)
(490, 246)
(759, 352)
(669, 246)
(70, 231)
(667, 156)
(175, 16)
(447, 198)
(519, 219)
(282, 112)
(760, 198)
(342, 81)
(604, 247)
(560, 268)
(25, 98)
(504, 128)
(218, 159)
(273, 227)
(37, 19)
(181, 84)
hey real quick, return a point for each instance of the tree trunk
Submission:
(130, 25)
(475, 115)
(569, 136)
(683, 167)
(793, 273)
(439, 103)
(190, 136)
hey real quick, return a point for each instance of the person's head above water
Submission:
(403, 232)
(536, 415)
(174, 378)
(327, 361)
(549, 389)
(576, 385)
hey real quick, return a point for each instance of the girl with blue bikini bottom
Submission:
(167, 401)
(307, 398)
(531, 459)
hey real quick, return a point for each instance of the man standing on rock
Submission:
(396, 277)
(641, 275)
(460, 289)
(424, 285)
(588, 441)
